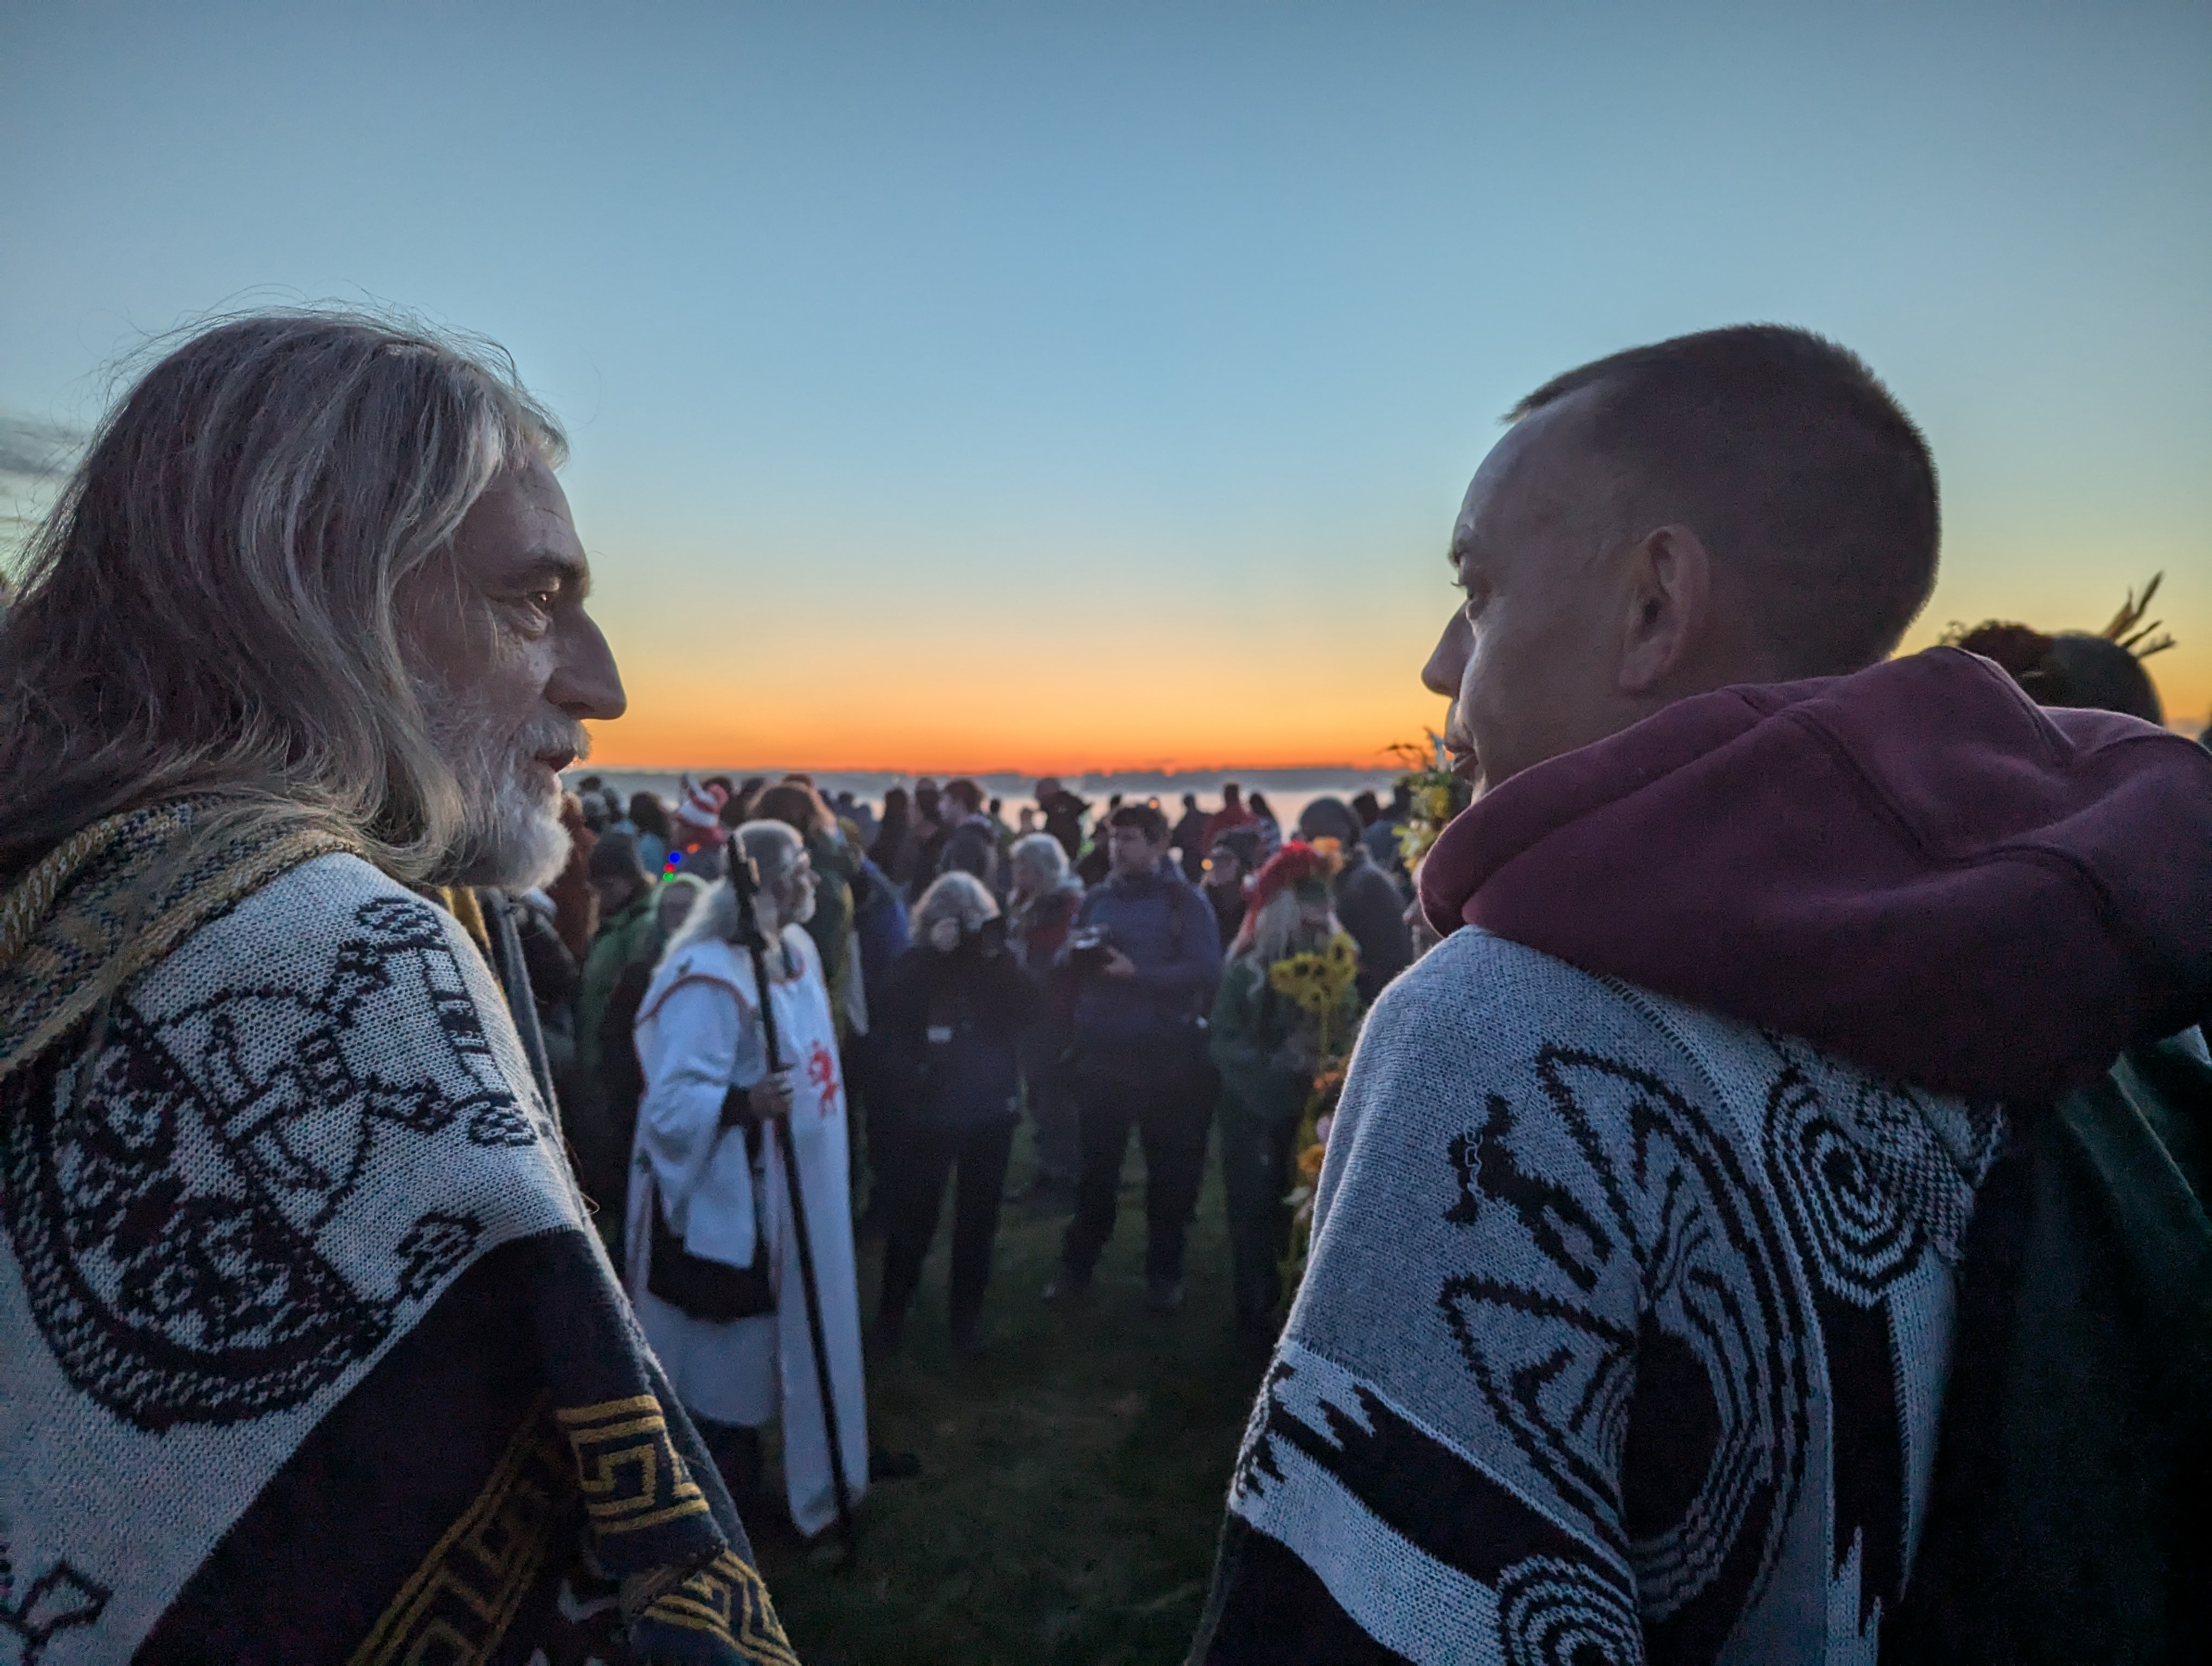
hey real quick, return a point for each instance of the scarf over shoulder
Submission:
(310, 1354)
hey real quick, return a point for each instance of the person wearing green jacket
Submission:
(1286, 1010)
(622, 955)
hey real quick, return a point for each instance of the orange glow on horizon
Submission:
(1205, 713)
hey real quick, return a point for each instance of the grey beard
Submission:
(511, 836)
(514, 839)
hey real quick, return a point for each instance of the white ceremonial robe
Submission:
(699, 1034)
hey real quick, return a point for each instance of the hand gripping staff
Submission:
(744, 883)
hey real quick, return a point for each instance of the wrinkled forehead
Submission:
(520, 520)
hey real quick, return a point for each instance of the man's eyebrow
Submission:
(573, 575)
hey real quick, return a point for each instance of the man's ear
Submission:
(1669, 596)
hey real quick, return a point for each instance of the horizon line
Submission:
(588, 766)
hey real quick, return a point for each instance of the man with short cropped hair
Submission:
(1146, 957)
(1628, 1313)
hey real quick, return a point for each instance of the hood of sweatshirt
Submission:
(1914, 868)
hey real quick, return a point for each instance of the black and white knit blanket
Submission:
(1623, 1338)
(307, 1353)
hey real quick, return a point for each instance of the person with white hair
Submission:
(954, 1007)
(711, 1243)
(310, 1351)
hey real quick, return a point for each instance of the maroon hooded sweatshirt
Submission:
(1914, 868)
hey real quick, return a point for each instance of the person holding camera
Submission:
(954, 1009)
(1146, 957)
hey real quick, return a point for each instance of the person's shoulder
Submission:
(315, 909)
(1477, 992)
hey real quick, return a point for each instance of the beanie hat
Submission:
(701, 808)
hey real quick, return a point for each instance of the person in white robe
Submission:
(709, 1233)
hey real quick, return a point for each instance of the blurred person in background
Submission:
(956, 1005)
(854, 810)
(1146, 958)
(1366, 902)
(575, 906)
(1232, 813)
(697, 832)
(893, 849)
(1189, 839)
(971, 835)
(711, 1261)
(2074, 668)
(880, 936)
(1231, 864)
(1063, 812)
(835, 865)
(649, 826)
(677, 895)
(1380, 839)
(1042, 904)
(1267, 1048)
(609, 988)
(1271, 830)
(931, 828)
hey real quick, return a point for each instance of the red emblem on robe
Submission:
(822, 1070)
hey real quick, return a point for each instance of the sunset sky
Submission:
(962, 386)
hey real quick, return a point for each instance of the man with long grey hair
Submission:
(293, 1261)
(712, 1242)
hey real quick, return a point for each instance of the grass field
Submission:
(1072, 1479)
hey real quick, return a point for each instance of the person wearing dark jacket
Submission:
(971, 841)
(798, 806)
(1063, 814)
(1381, 838)
(1040, 908)
(880, 936)
(1231, 861)
(1189, 838)
(1367, 903)
(1147, 958)
(955, 1006)
(1632, 1324)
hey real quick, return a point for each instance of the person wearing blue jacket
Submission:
(1146, 956)
(954, 1008)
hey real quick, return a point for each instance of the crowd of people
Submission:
(1742, 1175)
(975, 979)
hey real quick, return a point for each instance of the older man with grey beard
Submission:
(312, 1354)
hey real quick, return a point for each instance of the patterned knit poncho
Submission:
(307, 1353)
(1619, 1342)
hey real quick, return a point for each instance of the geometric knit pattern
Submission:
(226, 1192)
(1623, 1337)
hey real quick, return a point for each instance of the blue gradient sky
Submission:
(960, 386)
